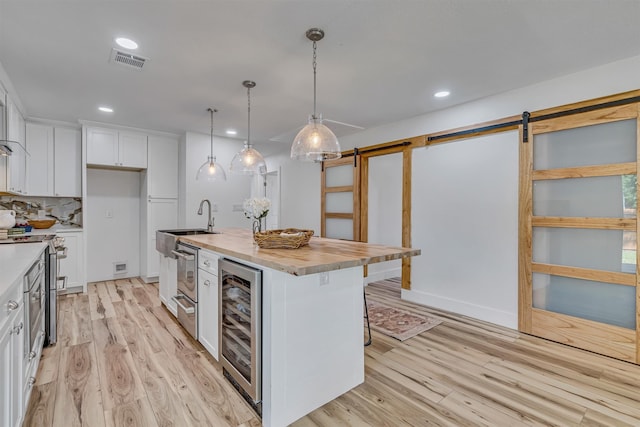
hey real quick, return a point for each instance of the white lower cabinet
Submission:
(72, 267)
(12, 330)
(30, 364)
(208, 301)
(168, 282)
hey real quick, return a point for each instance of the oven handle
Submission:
(61, 253)
(183, 255)
(188, 310)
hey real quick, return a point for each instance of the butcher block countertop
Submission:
(320, 255)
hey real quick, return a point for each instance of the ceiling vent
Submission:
(127, 59)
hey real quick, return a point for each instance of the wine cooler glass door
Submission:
(240, 316)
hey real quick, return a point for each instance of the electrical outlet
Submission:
(324, 279)
(108, 214)
(214, 208)
(238, 208)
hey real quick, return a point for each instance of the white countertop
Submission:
(15, 260)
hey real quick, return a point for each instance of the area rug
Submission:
(397, 323)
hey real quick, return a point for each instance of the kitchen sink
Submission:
(167, 240)
(188, 232)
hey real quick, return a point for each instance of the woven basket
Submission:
(289, 238)
(42, 223)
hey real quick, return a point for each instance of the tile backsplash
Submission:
(67, 210)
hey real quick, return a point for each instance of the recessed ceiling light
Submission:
(126, 43)
(231, 132)
(441, 94)
(106, 109)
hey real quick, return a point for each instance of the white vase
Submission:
(7, 219)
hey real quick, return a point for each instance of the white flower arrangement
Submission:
(256, 207)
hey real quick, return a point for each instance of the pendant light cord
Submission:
(248, 116)
(314, 79)
(212, 111)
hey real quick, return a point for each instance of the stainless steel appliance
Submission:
(34, 297)
(34, 238)
(53, 254)
(240, 316)
(187, 297)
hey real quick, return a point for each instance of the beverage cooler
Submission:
(241, 328)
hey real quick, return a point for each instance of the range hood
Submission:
(5, 149)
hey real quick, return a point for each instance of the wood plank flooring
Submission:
(123, 360)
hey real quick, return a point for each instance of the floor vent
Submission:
(127, 59)
(120, 267)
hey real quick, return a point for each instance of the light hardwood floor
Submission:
(122, 360)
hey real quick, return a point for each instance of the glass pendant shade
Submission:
(248, 162)
(315, 143)
(211, 171)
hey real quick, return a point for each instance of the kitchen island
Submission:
(312, 316)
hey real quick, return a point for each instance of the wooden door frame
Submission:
(354, 188)
(361, 203)
(406, 201)
(607, 339)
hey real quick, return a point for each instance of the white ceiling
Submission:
(379, 62)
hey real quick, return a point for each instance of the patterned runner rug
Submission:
(397, 323)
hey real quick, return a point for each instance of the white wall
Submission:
(483, 281)
(116, 238)
(194, 149)
(385, 211)
(299, 192)
(465, 220)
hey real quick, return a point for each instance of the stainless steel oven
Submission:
(34, 297)
(55, 252)
(240, 318)
(187, 297)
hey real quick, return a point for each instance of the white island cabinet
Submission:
(168, 282)
(208, 299)
(312, 316)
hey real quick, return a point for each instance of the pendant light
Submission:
(210, 170)
(315, 142)
(248, 161)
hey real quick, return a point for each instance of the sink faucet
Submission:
(210, 217)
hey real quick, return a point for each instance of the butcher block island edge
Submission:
(321, 255)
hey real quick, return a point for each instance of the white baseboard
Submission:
(382, 275)
(488, 314)
(150, 279)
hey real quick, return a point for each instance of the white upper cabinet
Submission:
(102, 146)
(67, 162)
(114, 148)
(40, 163)
(162, 171)
(132, 150)
(54, 164)
(15, 166)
